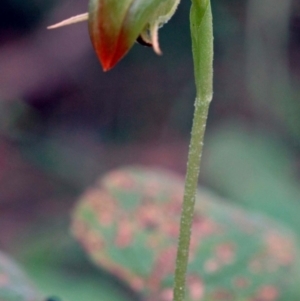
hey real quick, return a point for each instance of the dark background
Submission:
(63, 122)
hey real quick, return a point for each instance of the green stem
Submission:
(202, 46)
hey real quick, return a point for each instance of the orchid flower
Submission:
(114, 26)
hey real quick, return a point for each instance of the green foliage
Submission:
(256, 169)
(129, 223)
(14, 284)
(58, 266)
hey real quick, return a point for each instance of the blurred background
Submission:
(63, 122)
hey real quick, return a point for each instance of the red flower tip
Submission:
(115, 25)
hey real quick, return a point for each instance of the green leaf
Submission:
(256, 169)
(14, 284)
(59, 268)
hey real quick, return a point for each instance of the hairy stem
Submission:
(202, 47)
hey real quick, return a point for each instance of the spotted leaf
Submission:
(128, 223)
